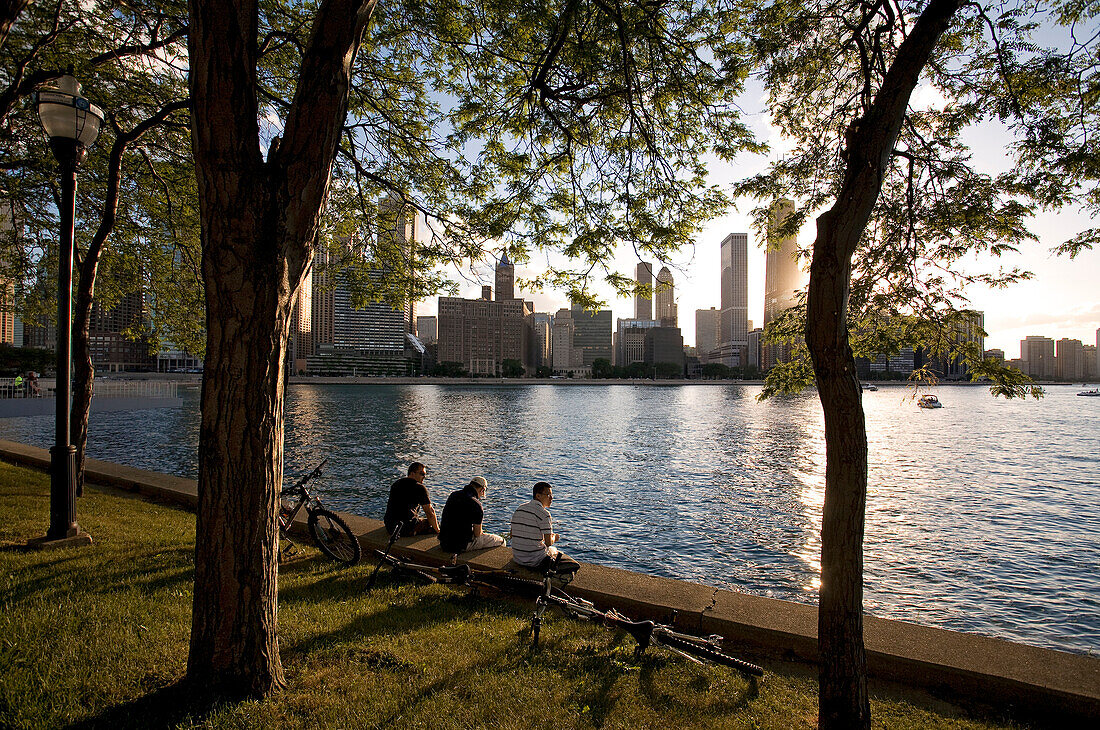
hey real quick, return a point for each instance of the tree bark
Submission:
(9, 13)
(843, 699)
(259, 221)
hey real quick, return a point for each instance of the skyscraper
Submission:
(708, 326)
(666, 299)
(398, 223)
(482, 334)
(505, 279)
(1070, 359)
(591, 334)
(643, 305)
(1037, 356)
(734, 318)
(782, 277)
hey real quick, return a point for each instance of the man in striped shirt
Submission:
(533, 535)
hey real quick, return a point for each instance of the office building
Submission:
(630, 340)
(708, 326)
(301, 344)
(754, 356)
(782, 277)
(482, 333)
(591, 334)
(994, 354)
(734, 317)
(542, 341)
(1037, 357)
(1069, 359)
(566, 358)
(426, 329)
(398, 227)
(664, 345)
(665, 297)
(643, 303)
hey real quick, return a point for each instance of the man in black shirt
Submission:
(407, 496)
(463, 514)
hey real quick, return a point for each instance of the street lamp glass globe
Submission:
(64, 113)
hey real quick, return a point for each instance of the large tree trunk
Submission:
(842, 673)
(259, 221)
(233, 642)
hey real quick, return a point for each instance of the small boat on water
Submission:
(868, 386)
(1094, 393)
(929, 401)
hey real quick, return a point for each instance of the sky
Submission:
(1061, 300)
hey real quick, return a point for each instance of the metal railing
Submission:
(21, 388)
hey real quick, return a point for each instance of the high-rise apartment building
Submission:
(1097, 370)
(114, 339)
(505, 279)
(643, 304)
(665, 296)
(1037, 357)
(1069, 359)
(708, 327)
(1091, 370)
(782, 277)
(734, 317)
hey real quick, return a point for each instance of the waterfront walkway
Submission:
(1033, 682)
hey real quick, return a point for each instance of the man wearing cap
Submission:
(460, 529)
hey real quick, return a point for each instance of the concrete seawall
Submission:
(1043, 684)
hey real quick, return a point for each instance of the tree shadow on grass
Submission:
(166, 707)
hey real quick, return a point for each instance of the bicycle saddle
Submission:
(456, 573)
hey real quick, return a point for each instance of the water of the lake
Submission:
(983, 516)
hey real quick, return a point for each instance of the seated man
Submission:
(407, 496)
(460, 529)
(533, 535)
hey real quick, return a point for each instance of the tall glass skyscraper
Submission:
(782, 278)
(643, 305)
(733, 338)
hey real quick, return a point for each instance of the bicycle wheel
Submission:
(334, 537)
(713, 655)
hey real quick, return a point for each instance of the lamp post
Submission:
(72, 124)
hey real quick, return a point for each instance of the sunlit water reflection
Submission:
(982, 516)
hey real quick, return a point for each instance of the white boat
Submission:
(1092, 393)
(867, 386)
(929, 401)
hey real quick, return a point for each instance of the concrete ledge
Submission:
(1043, 684)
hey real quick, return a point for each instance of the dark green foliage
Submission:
(512, 369)
(18, 360)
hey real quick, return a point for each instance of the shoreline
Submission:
(1044, 682)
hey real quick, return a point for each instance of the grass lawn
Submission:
(98, 636)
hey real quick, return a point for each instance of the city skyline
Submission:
(1061, 301)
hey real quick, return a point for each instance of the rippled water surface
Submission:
(982, 516)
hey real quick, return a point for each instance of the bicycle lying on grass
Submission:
(330, 533)
(645, 633)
